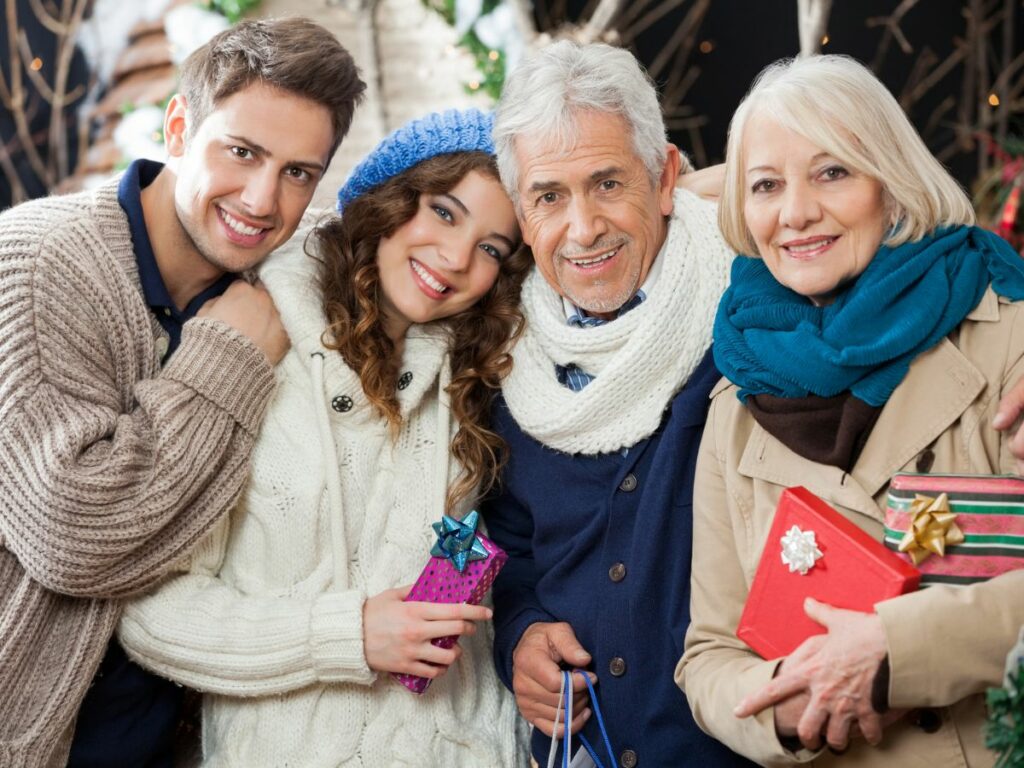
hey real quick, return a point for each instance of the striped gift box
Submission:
(990, 512)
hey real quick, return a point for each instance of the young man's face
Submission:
(247, 173)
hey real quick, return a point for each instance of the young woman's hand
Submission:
(397, 635)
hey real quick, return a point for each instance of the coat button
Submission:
(628, 759)
(928, 720)
(628, 483)
(342, 403)
(405, 380)
(617, 572)
(925, 461)
(617, 666)
(162, 345)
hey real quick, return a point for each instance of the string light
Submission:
(474, 85)
(993, 100)
(36, 64)
(824, 40)
(706, 46)
(493, 55)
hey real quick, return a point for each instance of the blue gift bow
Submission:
(457, 540)
(566, 704)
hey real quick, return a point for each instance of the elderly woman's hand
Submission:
(836, 671)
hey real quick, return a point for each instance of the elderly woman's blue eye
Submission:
(764, 185)
(836, 172)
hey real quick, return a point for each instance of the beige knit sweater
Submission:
(111, 469)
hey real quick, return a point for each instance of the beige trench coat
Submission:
(946, 644)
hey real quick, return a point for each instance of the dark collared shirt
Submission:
(129, 716)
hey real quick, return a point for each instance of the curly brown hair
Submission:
(479, 337)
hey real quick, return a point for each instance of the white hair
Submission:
(837, 104)
(544, 95)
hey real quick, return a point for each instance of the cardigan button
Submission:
(925, 461)
(617, 572)
(928, 720)
(162, 345)
(342, 403)
(617, 666)
(628, 483)
(405, 380)
(628, 759)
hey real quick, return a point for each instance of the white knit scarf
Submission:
(641, 360)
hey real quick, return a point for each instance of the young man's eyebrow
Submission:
(251, 145)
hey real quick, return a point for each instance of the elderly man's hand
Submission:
(836, 671)
(537, 676)
(1008, 416)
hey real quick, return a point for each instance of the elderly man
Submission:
(605, 406)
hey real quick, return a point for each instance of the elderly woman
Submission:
(871, 330)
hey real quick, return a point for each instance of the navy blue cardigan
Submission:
(603, 542)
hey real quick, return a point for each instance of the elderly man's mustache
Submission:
(602, 245)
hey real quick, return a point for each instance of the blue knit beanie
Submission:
(435, 134)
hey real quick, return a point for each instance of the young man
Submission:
(134, 372)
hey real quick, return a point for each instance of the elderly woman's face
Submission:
(816, 222)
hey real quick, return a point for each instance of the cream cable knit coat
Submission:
(264, 625)
(111, 469)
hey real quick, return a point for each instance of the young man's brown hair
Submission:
(295, 55)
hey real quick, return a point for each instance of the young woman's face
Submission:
(447, 256)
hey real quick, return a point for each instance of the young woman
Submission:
(291, 614)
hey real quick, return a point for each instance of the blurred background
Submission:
(83, 83)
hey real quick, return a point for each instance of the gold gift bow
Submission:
(931, 528)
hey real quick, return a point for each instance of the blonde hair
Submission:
(839, 105)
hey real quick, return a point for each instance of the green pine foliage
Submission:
(490, 64)
(234, 10)
(1005, 732)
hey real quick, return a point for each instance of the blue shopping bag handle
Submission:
(566, 706)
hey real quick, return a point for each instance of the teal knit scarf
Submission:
(770, 340)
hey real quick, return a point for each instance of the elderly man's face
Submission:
(592, 216)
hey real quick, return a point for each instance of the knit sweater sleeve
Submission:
(110, 468)
(204, 632)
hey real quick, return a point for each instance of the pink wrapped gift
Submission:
(462, 567)
(957, 529)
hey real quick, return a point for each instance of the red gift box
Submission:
(442, 581)
(845, 567)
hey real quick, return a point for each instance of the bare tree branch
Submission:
(601, 20)
(634, 29)
(682, 39)
(17, 99)
(812, 19)
(46, 18)
(18, 193)
(892, 30)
